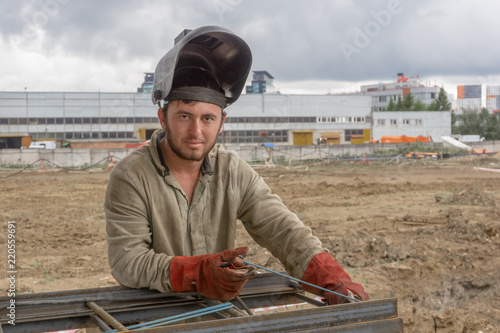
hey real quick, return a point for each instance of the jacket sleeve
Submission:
(133, 261)
(272, 225)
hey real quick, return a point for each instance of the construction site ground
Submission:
(424, 231)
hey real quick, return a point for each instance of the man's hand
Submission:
(325, 272)
(218, 276)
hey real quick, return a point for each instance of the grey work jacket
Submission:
(149, 219)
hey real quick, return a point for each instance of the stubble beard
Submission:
(185, 156)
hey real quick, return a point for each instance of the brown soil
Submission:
(426, 232)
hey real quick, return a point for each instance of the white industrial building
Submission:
(253, 119)
(412, 123)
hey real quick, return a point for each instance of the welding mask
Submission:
(211, 51)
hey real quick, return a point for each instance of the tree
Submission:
(399, 104)
(480, 122)
(454, 119)
(408, 101)
(391, 106)
(418, 105)
(441, 103)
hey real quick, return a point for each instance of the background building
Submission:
(493, 98)
(93, 120)
(383, 93)
(469, 97)
(147, 85)
(262, 82)
(412, 123)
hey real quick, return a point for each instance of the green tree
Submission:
(440, 103)
(454, 119)
(408, 101)
(391, 106)
(480, 122)
(399, 104)
(418, 105)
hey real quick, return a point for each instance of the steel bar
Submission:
(309, 320)
(173, 319)
(101, 323)
(243, 304)
(301, 281)
(233, 311)
(106, 316)
(68, 310)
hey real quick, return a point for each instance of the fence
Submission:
(78, 158)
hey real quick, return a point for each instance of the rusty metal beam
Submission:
(377, 314)
(68, 310)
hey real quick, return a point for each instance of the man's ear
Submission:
(161, 118)
(222, 121)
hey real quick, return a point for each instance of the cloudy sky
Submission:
(315, 46)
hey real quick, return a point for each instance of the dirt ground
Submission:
(424, 231)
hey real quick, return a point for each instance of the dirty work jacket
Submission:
(149, 219)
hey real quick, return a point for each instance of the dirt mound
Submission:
(469, 195)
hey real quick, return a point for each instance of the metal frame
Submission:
(69, 310)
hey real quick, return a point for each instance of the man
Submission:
(172, 207)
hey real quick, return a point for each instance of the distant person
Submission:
(172, 207)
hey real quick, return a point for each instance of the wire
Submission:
(179, 317)
(300, 281)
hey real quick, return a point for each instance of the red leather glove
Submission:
(325, 272)
(205, 275)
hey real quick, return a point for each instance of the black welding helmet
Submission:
(209, 50)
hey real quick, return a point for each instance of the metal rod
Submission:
(182, 316)
(189, 315)
(107, 317)
(247, 309)
(298, 280)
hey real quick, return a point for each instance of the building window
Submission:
(406, 121)
(51, 120)
(349, 132)
(381, 122)
(78, 120)
(394, 121)
(418, 121)
(86, 120)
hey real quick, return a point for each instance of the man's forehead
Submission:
(195, 107)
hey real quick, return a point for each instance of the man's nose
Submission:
(195, 127)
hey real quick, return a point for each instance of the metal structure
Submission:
(119, 307)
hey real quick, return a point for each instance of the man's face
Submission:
(192, 129)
